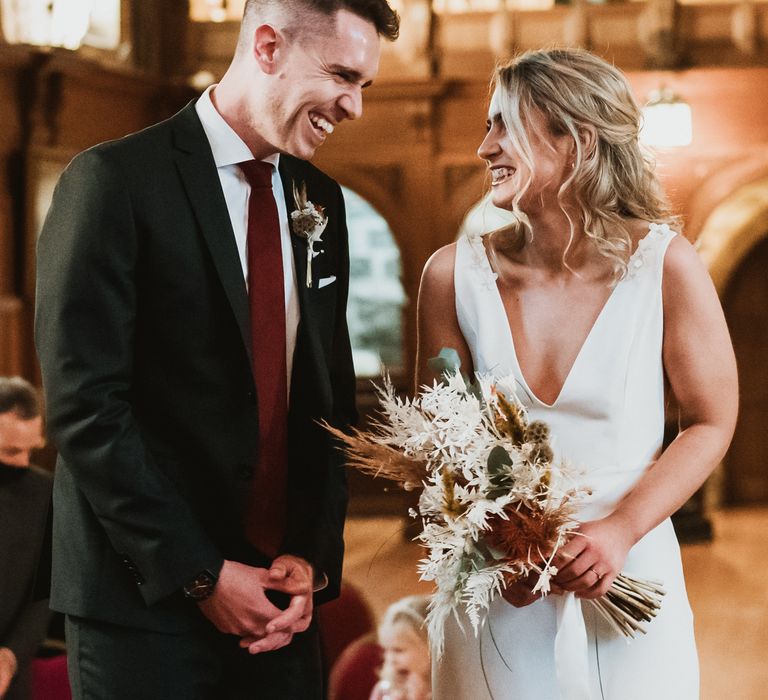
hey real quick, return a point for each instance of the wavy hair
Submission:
(612, 178)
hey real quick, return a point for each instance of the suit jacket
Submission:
(142, 329)
(25, 497)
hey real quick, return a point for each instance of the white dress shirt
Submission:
(229, 150)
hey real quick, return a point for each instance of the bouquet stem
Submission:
(629, 603)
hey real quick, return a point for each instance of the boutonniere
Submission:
(308, 221)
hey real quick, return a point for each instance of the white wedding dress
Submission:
(609, 421)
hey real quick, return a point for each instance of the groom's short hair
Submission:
(18, 396)
(302, 15)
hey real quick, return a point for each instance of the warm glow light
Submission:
(64, 23)
(216, 10)
(459, 6)
(69, 22)
(667, 120)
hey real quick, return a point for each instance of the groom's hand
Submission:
(8, 667)
(238, 604)
(293, 576)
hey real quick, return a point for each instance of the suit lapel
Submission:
(201, 181)
(309, 331)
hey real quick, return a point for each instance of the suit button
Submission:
(244, 471)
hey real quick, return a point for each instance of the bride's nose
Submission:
(489, 147)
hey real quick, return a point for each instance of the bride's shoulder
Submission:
(437, 277)
(644, 234)
(441, 263)
(682, 260)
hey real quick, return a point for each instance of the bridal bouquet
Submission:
(495, 505)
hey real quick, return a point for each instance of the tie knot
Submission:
(257, 172)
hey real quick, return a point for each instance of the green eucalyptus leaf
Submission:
(498, 458)
(447, 362)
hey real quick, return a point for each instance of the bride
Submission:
(597, 307)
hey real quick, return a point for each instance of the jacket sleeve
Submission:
(84, 328)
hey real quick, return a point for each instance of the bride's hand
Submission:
(520, 593)
(594, 556)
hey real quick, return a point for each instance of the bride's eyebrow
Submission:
(492, 120)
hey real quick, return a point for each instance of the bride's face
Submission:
(535, 163)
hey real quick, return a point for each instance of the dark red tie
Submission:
(265, 521)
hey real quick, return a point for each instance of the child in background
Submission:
(405, 674)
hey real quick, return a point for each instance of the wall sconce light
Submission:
(667, 121)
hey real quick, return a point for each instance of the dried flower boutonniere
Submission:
(308, 221)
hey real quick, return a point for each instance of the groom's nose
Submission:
(351, 102)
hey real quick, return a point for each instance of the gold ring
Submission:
(599, 576)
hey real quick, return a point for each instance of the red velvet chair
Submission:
(342, 621)
(49, 678)
(354, 674)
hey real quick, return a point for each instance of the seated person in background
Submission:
(405, 674)
(25, 496)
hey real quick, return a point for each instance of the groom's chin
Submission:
(303, 151)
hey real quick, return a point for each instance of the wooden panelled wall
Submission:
(52, 106)
(412, 156)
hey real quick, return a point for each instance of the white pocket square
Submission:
(325, 281)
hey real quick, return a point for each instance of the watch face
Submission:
(201, 588)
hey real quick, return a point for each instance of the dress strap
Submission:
(650, 250)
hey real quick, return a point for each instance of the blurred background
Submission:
(77, 72)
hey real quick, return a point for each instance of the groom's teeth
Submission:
(323, 124)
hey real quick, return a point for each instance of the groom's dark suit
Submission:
(142, 330)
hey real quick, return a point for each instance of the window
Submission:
(376, 295)
(67, 23)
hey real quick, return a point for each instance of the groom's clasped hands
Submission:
(239, 604)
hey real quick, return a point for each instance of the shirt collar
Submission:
(228, 148)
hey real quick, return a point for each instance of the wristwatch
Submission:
(200, 587)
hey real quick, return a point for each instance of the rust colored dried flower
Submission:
(526, 534)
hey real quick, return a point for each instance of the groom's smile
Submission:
(321, 123)
(322, 78)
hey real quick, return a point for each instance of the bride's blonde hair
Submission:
(613, 177)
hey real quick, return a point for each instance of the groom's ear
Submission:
(268, 44)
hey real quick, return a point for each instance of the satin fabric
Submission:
(608, 421)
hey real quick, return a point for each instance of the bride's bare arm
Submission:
(437, 325)
(437, 328)
(701, 369)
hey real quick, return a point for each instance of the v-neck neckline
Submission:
(597, 321)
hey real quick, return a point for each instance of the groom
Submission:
(188, 349)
